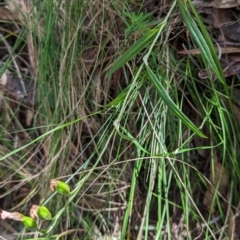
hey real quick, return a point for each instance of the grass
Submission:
(147, 148)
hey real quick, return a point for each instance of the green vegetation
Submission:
(148, 149)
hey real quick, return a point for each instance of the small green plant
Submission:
(137, 22)
(37, 212)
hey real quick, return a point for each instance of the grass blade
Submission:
(136, 48)
(169, 102)
(202, 39)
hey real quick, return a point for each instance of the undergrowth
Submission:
(124, 120)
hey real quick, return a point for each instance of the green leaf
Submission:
(136, 48)
(169, 102)
(120, 97)
(202, 39)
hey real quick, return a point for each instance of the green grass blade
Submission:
(128, 136)
(119, 99)
(55, 129)
(169, 102)
(136, 48)
(202, 39)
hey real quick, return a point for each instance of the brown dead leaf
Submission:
(197, 51)
(217, 3)
(225, 3)
(221, 16)
(232, 31)
(219, 182)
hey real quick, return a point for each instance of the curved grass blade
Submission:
(202, 39)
